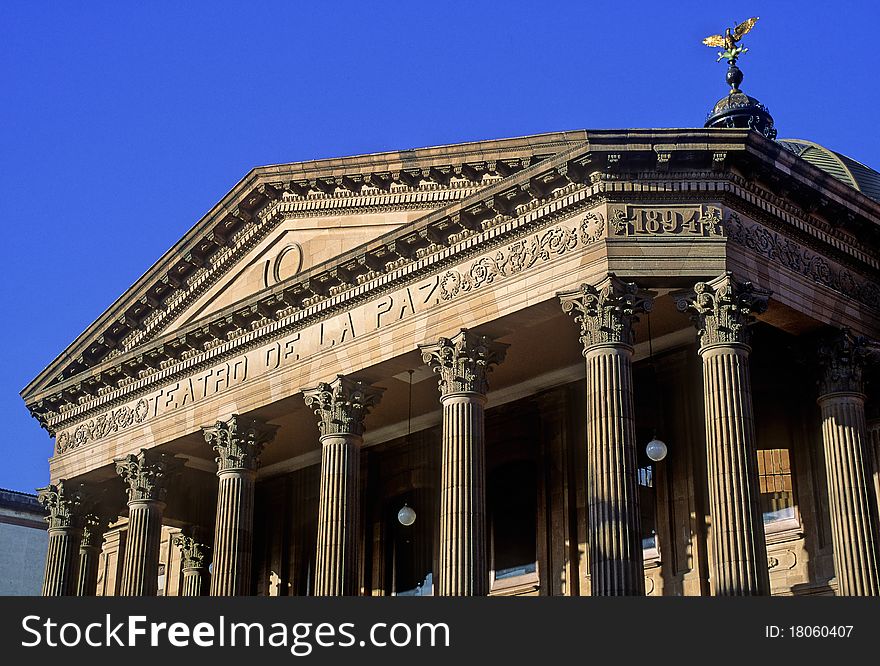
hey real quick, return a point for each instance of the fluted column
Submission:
(722, 310)
(238, 443)
(64, 505)
(606, 314)
(147, 475)
(874, 446)
(196, 556)
(462, 362)
(848, 464)
(94, 526)
(341, 407)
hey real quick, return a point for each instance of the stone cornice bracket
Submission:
(195, 554)
(842, 360)
(147, 474)
(342, 405)
(607, 311)
(723, 309)
(463, 361)
(239, 442)
(63, 503)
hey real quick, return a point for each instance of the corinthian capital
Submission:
(94, 526)
(842, 359)
(463, 361)
(63, 503)
(723, 309)
(239, 442)
(342, 405)
(195, 554)
(607, 311)
(147, 474)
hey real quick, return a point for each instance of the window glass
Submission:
(774, 477)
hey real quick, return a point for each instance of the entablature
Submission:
(702, 165)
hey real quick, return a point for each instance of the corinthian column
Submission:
(147, 474)
(341, 407)
(94, 526)
(722, 311)
(238, 443)
(63, 502)
(848, 464)
(606, 313)
(196, 558)
(463, 363)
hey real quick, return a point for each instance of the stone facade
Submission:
(267, 396)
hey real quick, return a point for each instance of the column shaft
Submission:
(234, 533)
(62, 562)
(616, 562)
(850, 495)
(723, 312)
(193, 582)
(140, 564)
(464, 567)
(89, 558)
(739, 563)
(336, 572)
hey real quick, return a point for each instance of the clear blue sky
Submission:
(122, 123)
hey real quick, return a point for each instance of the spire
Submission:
(737, 109)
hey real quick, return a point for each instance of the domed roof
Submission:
(845, 169)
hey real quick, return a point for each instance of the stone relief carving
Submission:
(842, 358)
(463, 361)
(523, 254)
(693, 220)
(103, 425)
(63, 503)
(239, 442)
(723, 309)
(794, 257)
(606, 312)
(342, 405)
(147, 474)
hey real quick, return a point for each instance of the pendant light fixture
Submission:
(407, 515)
(656, 449)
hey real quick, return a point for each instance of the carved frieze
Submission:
(791, 255)
(239, 442)
(723, 309)
(342, 405)
(463, 361)
(147, 474)
(607, 311)
(523, 254)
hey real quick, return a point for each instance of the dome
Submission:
(845, 169)
(736, 109)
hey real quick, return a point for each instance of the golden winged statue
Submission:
(729, 40)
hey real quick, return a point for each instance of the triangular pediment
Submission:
(278, 222)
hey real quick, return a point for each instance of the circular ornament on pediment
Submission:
(592, 228)
(62, 442)
(140, 410)
(288, 263)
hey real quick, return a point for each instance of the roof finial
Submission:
(732, 51)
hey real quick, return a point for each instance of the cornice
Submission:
(582, 175)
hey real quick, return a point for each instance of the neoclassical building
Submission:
(437, 371)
